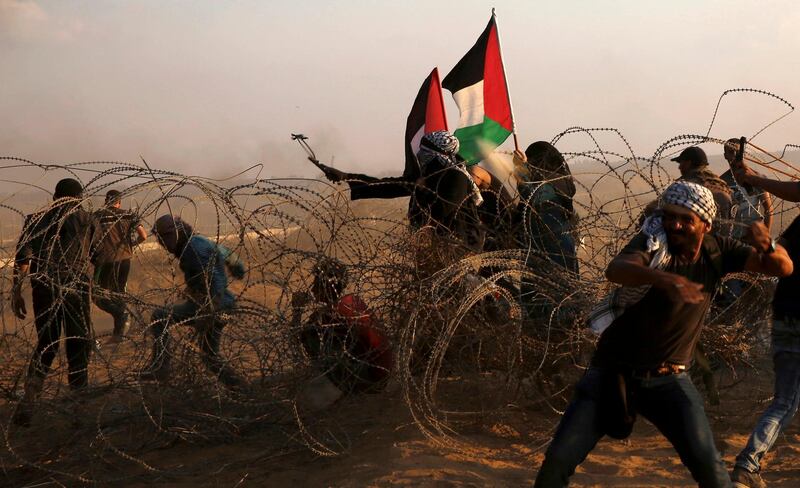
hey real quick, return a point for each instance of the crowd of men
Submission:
(701, 228)
(72, 256)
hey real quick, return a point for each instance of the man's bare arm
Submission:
(632, 270)
(777, 263)
(787, 190)
(20, 272)
(766, 204)
(141, 234)
(761, 260)
(17, 302)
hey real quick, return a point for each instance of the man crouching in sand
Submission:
(641, 358)
(203, 263)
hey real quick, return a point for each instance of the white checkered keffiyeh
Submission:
(443, 145)
(614, 304)
(693, 196)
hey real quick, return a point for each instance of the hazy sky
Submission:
(210, 87)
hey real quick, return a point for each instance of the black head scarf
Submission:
(546, 163)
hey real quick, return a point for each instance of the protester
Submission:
(547, 189)
(444, 195)
(675, 264)
(54, 250)
(749, 203)
(544, 220)
(785, 343)
(693, 165)
(209, 301)
(340, 334)
(113, 259)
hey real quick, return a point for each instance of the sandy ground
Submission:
(383, 447)
(389, 450)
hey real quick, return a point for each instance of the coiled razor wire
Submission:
(469, 340)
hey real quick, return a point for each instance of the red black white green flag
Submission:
(478, 84)
(427, 115)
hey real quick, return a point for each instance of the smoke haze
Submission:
(210, 88)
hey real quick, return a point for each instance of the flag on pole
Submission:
(478, 84)
(427, 115)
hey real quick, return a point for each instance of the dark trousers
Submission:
(111, 280)
(55, 310)
(671, 403)
(209, 326)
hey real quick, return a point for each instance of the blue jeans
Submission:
(671, 403)
(778, 414)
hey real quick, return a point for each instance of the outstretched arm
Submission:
(776, 263)
(632, 270)
(141, 235)
(365, 186)
(787, 190)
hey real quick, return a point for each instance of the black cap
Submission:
(113, 196)
(68, 187)
(694, 155)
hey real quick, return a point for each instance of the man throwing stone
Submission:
(640, 363)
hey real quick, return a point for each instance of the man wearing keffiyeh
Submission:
(445, 195)
(639, 366)
(690, 196)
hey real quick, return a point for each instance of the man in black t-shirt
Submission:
(785, 344)
(641, 358)
(53, 250)
(113, 259)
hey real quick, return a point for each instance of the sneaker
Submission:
(742, 478)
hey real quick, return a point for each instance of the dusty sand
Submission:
(385, 448)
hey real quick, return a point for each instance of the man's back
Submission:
(746, 202)
(445, 201)
(114, 238)
(203, 265)
(722, 196)
(57, 242)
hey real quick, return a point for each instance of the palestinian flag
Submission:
(478, 84)
(427, 115)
